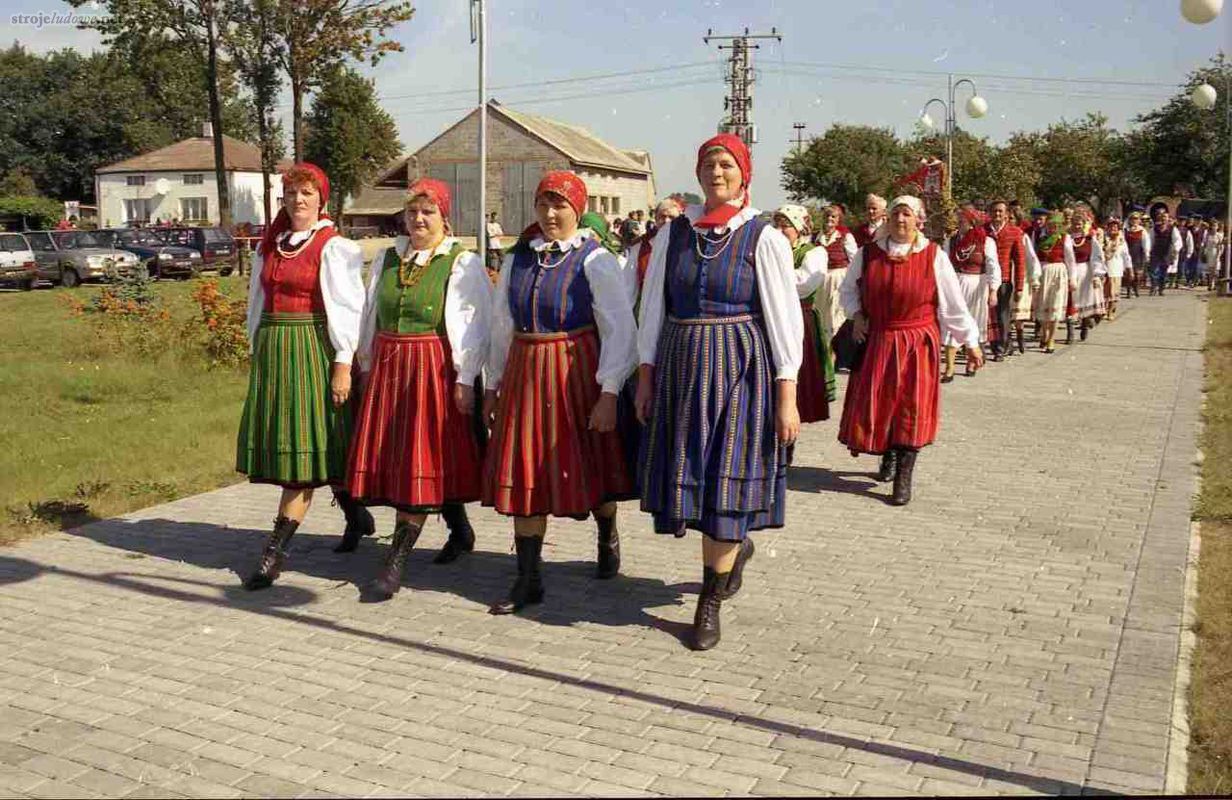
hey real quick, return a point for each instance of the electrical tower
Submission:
(799, 140)
(740, 77)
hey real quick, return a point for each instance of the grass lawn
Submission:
(1210, 762)
(87, 435)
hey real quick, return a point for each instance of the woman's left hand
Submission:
(787, 415)
(603, 417)
(340, 384)
(464, 398)
(992, 298)
(975, 357)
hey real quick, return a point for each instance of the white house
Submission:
(177, 182)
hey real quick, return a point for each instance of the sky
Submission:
(638, 74)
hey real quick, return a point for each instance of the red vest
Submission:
(293, 285)
(1082, 252)
(836, 253)
(864, 234)
(1010, 256)
(967, 253)
(1055, 254)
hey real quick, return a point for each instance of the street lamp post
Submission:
(976, 107)
(1204, 97)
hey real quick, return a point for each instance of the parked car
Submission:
(17, 265)
(70, 257)
(161, 260)
(216, 246)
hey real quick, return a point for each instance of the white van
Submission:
(17, 264)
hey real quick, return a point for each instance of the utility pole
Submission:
(799, 126)
(739, 101)
(479, 34)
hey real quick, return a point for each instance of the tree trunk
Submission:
(211, 74)
(297, 118)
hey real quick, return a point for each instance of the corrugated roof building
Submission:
(521, 147)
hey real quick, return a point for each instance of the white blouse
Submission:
(468, 307)
(1035, 270)
(776, 284)
(342, 288)
(992, 267)
(812, 271)
(612, 285)
(953, 318)
(1120, 260)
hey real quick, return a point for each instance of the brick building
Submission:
(521, 147)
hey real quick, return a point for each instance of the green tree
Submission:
(254, 43)
(18, 183)
(1016, 170)
(319, 35)
(35, 212)
(1182, 149)
(844, 165)
(1076, 162)
(349, 135)
(974, 165)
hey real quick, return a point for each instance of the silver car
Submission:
(71, 257)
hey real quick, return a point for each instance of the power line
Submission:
(989, 75)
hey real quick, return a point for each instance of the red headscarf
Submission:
(740, 152)
(560, 182)
(434, 190)
(290, 179)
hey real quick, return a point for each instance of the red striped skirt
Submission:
(412, 448)
(892, 400)
(814, 382)
(543, 458)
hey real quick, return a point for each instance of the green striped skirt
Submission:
(290, 432)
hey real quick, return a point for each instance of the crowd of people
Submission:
(672, 364)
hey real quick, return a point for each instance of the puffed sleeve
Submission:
(992, 265)
(953, 317)
(502, 328)
(613, 304)
(256, 299)
(780, 305)
(849, 244)
(1033, 262)
(654, 289)
(342, 288)
(849, 289)
(367, 323)
(1071, 263)
(468, 312)
(812, 271)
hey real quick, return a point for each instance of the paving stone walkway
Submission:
(1015, 630)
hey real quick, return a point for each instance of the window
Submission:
(41, 242)
(193, 178)
(12, 243)
(135, 180)
(194, 208)
(604, 205)
(615, 205)
(137, 210)
(215, 235)
(592, 203)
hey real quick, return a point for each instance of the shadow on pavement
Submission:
(137, 583)
(820, 479)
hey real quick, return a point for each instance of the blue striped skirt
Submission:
(710, 460)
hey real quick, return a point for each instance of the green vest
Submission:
(419, 308)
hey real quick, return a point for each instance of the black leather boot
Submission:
(389, 580)
(706, 628)
(1022, 347)
(735, 578)
(461, 535)
(528, 587)
(1085, 330)
(274, 554)
(359, 522)
(1069, 331)
(889, 466)
(902, 481)
(607, 561)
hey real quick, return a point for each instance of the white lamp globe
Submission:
(1200, 12)
(1204, 96)
(927, 121)
(162, 186)
(977, 107)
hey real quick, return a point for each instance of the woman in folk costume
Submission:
(1117, 261)
(720, 346)
(1138, 242)
(1056, 253)
(422, 346)
(563, 343)
(840, 248)
(305, 301)
(973, 254)
(815, 387)
(1088, 272)
(902, 296)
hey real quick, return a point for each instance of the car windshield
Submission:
(179, 236)
(215, 235)
(75, 240)
(13, 243)
(140, 238)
